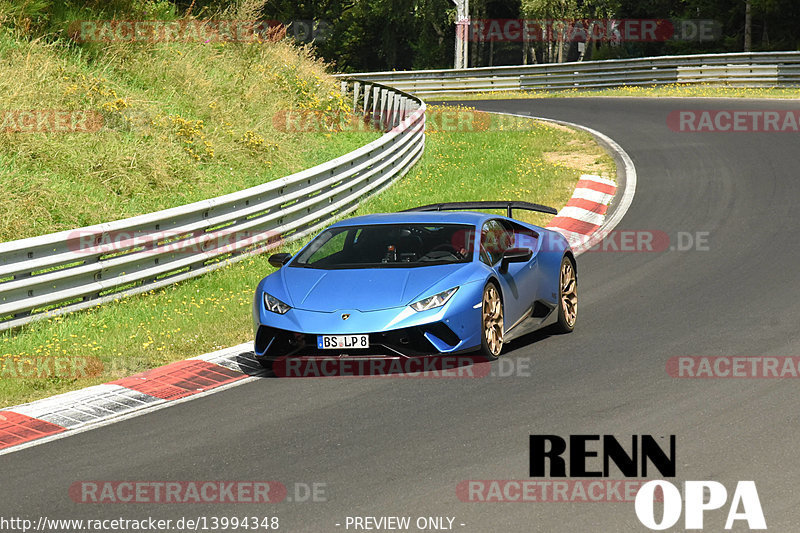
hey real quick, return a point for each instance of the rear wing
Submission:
(509, 206)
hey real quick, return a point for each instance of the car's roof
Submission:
(419, 217)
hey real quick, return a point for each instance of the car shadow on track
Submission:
(246, 363)
(531, 338)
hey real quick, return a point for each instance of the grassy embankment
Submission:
(181, 122)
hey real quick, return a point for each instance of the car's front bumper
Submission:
(396, 332)
(436, 338)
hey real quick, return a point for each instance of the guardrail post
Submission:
(375, 103)
(384, 103)
(396, 111)
(389, 121)
(390, 111)
(367, 91)
(356, 87)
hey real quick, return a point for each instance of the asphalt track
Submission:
(400, 446)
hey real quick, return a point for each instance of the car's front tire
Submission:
(567, 296)
(491, 322)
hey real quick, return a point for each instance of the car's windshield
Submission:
(384, 245)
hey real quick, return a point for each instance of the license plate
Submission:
(339, 342)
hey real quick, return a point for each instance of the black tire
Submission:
(567, 296)
(491, 322)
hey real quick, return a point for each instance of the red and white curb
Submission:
(585, 212)
(583, 221)
(30, 424)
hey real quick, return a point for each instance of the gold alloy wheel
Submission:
(569, 293)
(493, 320)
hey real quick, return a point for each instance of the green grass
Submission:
(181, 122)
(524, 160)
(675, 90)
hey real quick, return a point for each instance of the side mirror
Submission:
(278, 260)
(515, 255)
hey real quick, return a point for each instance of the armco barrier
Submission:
(62, 272)
(757, 69)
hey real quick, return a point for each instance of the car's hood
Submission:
(368, 289)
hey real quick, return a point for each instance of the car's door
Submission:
(518, 282)
(525, 275)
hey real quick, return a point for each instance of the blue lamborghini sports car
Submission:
(429, 281)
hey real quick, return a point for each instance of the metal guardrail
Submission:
(756, 69)
(44, 276)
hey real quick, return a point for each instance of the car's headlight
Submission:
(275, 305)
(432, 302)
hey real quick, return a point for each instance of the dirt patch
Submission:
(588, 163)
(556, 126)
